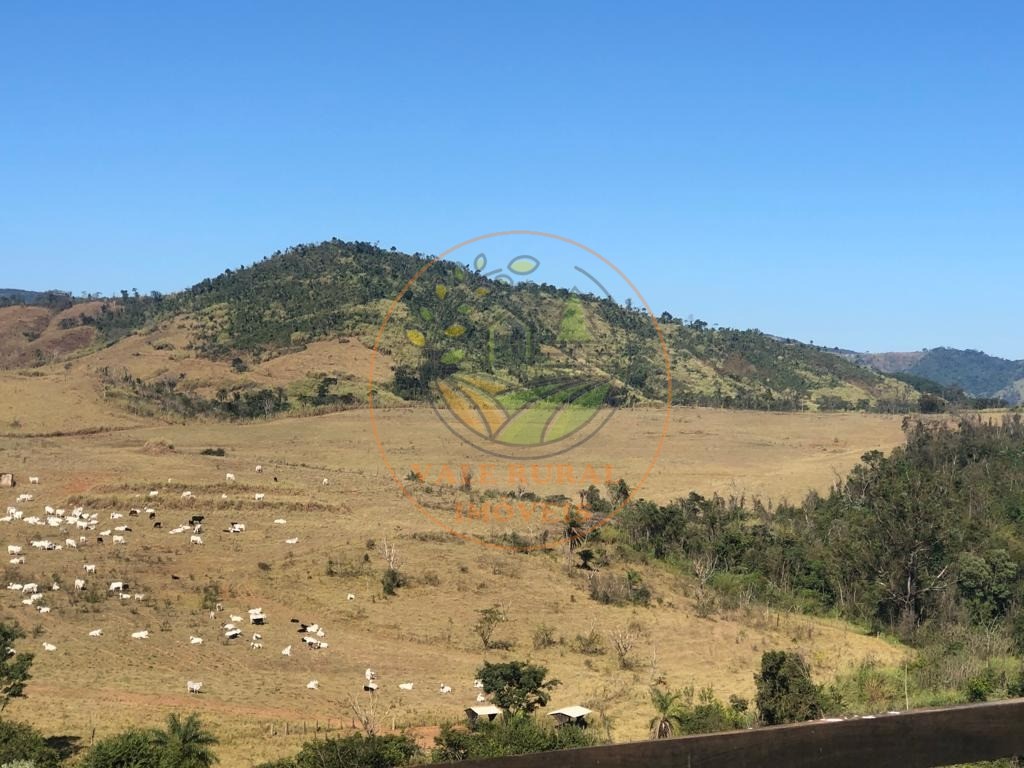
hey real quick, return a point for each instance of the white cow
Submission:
(351, 596)
(229, 477)
(194, 686)
(195, 640)
(79, 584)
(287, 651)
(260, 496)
(118, 539)
(19, 560)
(90, 568)
(96, 633)
(13, 549)
(444, 688)
(405, 686)
(259, 467)
(236, 618)
(326, 481)
(369, 674)
(44, 609)
(280, 521)
(70, 543)
(33, 481)
(291, 541)
(49, 647)
(116, 586)
(481, 698)
(186, 494)
(313, 684)
(30, 587)
(478, 683)
(142, 634)
(154, 494)
(195, 539)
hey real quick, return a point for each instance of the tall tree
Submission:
(517, 686)
(785, 692)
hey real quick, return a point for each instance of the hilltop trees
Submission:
(313, 292)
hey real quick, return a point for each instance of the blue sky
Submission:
(849, 173)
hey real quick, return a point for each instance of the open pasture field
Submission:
(424, 634)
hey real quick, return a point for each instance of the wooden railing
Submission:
(916, 739)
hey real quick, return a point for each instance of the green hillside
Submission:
(457, 321)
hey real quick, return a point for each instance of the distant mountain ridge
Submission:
(977, 373)
(20, 296)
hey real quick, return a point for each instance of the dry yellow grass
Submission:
(424, 634)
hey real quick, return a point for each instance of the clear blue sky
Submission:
(847, 172)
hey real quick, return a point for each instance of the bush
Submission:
(355, 751)
(392, 580)
(20, 741)
(1015, 688)
(543, 637)
(612, 589)
(590, 644)
(785, 692)
(710, 715)
(213, 452)
(502, 738)
(981, 686)
(131, 749)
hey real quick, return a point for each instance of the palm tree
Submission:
(670, 713)
(185, 743)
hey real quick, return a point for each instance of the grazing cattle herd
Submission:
(78, 519)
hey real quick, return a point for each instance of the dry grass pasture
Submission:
(422, 635)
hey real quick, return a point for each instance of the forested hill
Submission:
(342, 290)
(9, 296)
(976, 373)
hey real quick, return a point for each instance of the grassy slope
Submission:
(424, 634)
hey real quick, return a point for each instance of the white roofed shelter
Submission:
(574, 714)
(482, 710)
